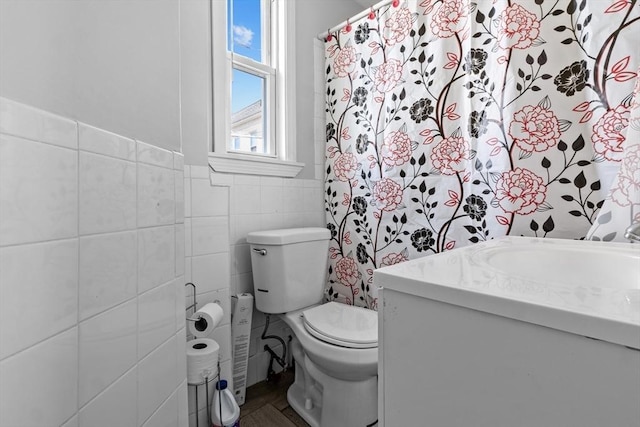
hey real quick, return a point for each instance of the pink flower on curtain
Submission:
(387, 194)
(535, 128)
(345, 62)
(450, 18)
(347, 271)
(388, 75)
(520, 191)
(345, 167)
(398, 26)
(518, 28)
(609, 133)
(396, 149)
(451, 155)
(626, 190)
(393, 258)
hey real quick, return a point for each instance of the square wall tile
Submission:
(102, 142)
(107, 194)
(107, 349)
(156, 379)
(293, 199)
(207, 200)
(272, 221)
(209, 235)
(271, 199)
(44, 379)
(245, 199)
(38, 191)
(156, 257)
(116, 406)
(31, 123)
(166, 415)
(210, 272)
(156, 318)
(156, 196)
(39, 284)
(152, 155)
(108, 271)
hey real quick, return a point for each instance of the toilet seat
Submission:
(343, 325)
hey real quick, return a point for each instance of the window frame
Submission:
(280, 120)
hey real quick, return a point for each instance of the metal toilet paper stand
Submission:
(207, 379)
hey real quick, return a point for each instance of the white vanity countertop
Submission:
(583, 287)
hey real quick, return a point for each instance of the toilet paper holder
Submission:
(194, 305)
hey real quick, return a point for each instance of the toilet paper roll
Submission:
(202, 360)
(208, 317)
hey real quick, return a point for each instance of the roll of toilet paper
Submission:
(208, 317)
(202, 360)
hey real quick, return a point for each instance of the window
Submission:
(252, 48)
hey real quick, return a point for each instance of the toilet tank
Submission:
(289, 267)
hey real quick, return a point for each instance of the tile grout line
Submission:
(77, 238)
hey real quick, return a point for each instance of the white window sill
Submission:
(253, 165)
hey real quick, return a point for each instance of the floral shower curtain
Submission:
(451, 122)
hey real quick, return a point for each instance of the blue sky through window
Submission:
(245, 38)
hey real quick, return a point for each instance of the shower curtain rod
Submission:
(362, 14)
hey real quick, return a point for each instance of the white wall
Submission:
(111, 64)
(92, 321)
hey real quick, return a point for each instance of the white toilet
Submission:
(335, 346)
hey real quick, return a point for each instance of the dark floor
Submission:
(266, 405)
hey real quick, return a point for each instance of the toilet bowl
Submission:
(335, 346)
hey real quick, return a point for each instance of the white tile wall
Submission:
(91, 291)
(108, 271)
(36, 303)
(102, 142)
(114, 406)
(156, 256)
(38, 191)
(156, 317)
(156, 194)
(107, 349)
(107, 194)
(241, 204)
(156, 378)
(40, 383)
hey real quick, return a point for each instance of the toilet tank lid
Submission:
(288, 235)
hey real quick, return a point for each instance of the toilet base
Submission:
(295, 397)
(325, 401)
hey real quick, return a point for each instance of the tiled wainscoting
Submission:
(258, 203)
(92, 321)
(206, 236)
(220, 209)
